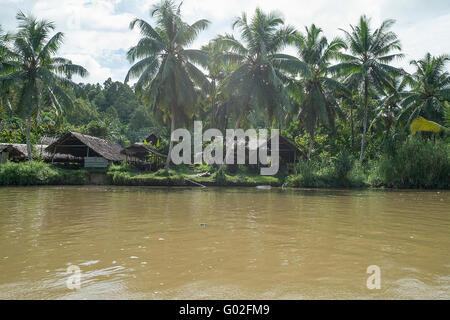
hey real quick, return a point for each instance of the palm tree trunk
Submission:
(363, 139)
(311, 143)
(213, 106)
(236, 126)
(28, 137)
(172, 129)
(352, 126)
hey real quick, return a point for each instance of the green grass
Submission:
(339, 172)
(415, 163)
(38, 173)
(183, 175)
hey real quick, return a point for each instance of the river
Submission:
(219, 243)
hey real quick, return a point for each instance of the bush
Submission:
(306, 177)
(220, 178)
(341, 171)
(37, 173)
(415, 163)
(342, 164)
(122, 167)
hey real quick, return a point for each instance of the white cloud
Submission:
(97, 73)
(97, 33)
(430, 35)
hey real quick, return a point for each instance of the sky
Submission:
(97, 34)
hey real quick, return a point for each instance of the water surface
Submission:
(243, 243)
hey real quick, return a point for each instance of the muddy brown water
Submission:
(216, 243)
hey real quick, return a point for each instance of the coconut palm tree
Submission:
(315, 90)
(40, 76)
(219, 65)
(430, 88)
(165, 69)
(390, 106)
(5, 66)
(4, 48)
(256, 81)
(366, 65)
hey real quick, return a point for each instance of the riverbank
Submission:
(305, 176)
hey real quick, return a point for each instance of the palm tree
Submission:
(256, 81)
(315, 90)
(390, 106)
(5, 66)
(218, 66)
(40, 77)
(366, 66)
(430, 88)
(4, 48)
(167, 76)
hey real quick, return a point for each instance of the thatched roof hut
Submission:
(18, 152)
(13, 151)
(288, 151)
(141, 151)
(88, 147)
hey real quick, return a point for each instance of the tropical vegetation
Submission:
(355, 115)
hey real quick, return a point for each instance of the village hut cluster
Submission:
(76, 150)
(79, 150)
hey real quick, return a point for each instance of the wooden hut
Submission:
(144, 156)
(289, 153)
(18, 152)
(96, 152)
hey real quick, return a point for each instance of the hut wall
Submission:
(4, 156)
(95, 162)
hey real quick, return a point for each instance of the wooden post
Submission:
(54, 153)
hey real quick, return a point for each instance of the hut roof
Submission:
(286, 147)
(19, 151)
(48, 140)
(73, 142)
(141, 150)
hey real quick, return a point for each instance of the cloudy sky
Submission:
(97, 33)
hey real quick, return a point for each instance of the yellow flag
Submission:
(422, 124)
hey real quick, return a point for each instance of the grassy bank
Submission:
(341, 171)
(414, 163)
(183, 176)
(38, 173)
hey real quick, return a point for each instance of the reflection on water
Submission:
(157, 243)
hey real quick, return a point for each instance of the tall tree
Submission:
(315, 90)
(5, 66)
(366, 65)
(165, 69)
(430, 88)
(256, 81)
(219, 65)
(41, 77)
(390, 106)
